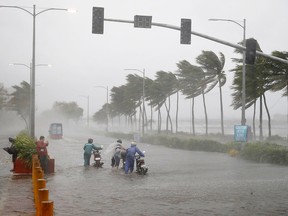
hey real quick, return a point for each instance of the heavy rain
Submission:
(199, 86)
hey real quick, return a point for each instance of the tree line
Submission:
(196, 81)
(190, 80)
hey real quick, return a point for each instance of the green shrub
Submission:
(258, 152)
(265, 153)
(26, 147)
(186, 143)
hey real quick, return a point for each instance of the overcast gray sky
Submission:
(82, 60)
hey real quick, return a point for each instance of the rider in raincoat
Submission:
(130, 157)
(88, 147)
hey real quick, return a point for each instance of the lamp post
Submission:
(87, 97)
(30, 68)
(32, 100)
(243, 118)
(107, 102)
(143, 96)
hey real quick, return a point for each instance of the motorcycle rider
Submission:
(115, 160)
(130, 157)
(88, 151)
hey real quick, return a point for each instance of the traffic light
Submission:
(250, 51)
(142, 21)
(185, 35)
(98, 20)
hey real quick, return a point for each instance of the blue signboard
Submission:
(240, 133)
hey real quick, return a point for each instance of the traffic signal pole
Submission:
(242, 48)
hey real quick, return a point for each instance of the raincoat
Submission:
(130, 158)
(88, 147)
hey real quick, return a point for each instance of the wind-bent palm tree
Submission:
(149, 94)
(122, 103)
(279, 73)
(20, 101)
(3, 96)
(156, 98)
(277, 78)
(259, 79)
(188, 77)
(213, 67)
(135, 88)
(168, 84)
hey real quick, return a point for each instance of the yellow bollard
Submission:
(38, 175)
(43, 196)
(47, 208)
(41, 183)
(34, 168)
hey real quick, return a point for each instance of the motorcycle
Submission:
(141, 167)
(97, 158)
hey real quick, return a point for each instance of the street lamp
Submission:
(34, 14)
(30, 68)
(143, 96)
(107, 108)
(243, 118)
(87, 97)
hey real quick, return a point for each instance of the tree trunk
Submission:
(140, 117)
(205, 111)
(168, 119)
(193, 116)
(221, 108)
(261, 120)
(254, 115)
(151, 118)
(177, 107)
(268, 114)
(159, 120)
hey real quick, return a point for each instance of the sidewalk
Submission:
(17, 198)
(16, 192)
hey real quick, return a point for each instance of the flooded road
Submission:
(178, 182)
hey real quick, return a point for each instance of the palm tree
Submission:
(213, 67)
(122, 103)
(278, 79)
(264, 75)
(135, 93)
(20, 101)
(168, 84)
(3, 96)
(149, 94)
(188, 77)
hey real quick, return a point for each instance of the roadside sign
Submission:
(240, 133)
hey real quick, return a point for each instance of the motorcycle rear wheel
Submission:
(143, 171)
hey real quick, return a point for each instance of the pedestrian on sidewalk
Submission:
(41, 147)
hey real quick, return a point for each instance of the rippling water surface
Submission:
(178, 183)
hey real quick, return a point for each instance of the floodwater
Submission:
(178, 182)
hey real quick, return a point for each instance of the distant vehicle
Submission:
(56, 131)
